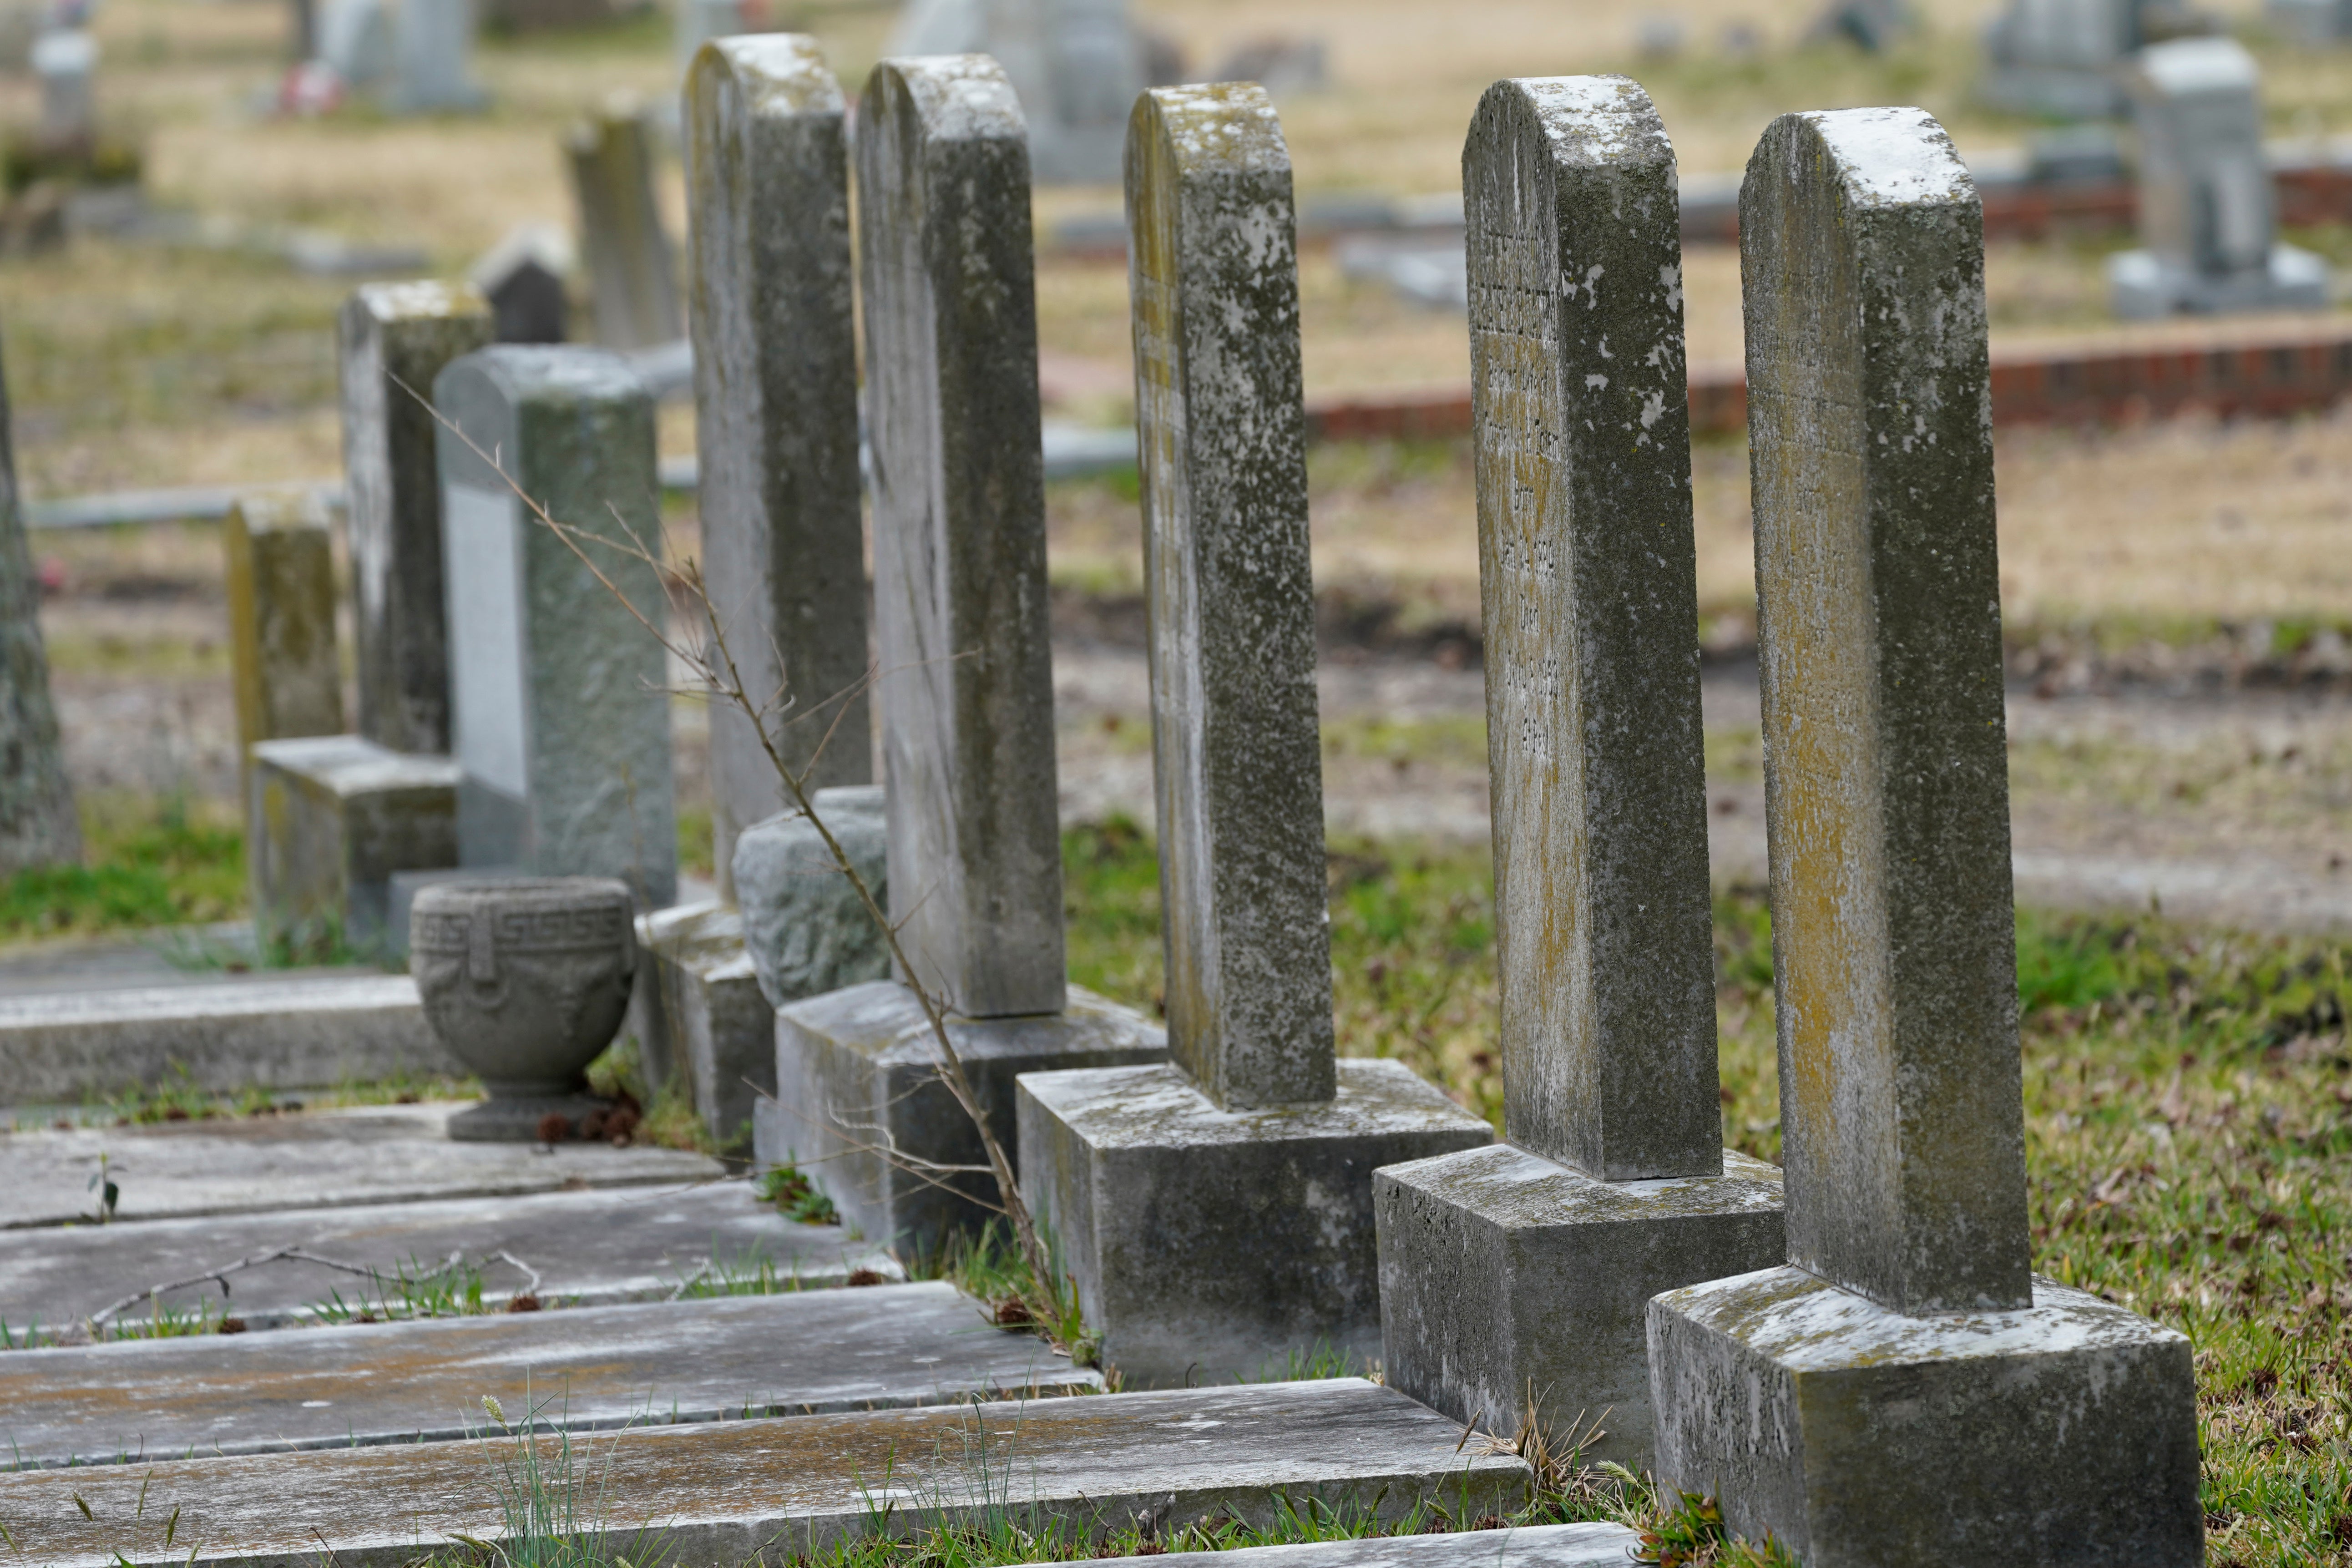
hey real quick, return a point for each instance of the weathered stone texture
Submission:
(1587, 573)
(1512, 1286)
(966, 696)
(337, 816)
(805, 927)
(1886, 771)
(1208, 1244)
(2060, 1433)
(698, 1015)
(395, 340)
(775, 392)
(632, 278)
(557, 712)
(281, 620)
(1214, 273)
(38, 824)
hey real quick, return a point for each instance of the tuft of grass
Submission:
(1691, 1534)
(795, 1196)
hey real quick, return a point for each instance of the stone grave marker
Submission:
(1513, 1278)
(1076, 66)
(1904, 1390)
(558, 711)
(522, 277)
(38, 823)
(1217, 1212)
(966, 696)
(2310, 21)
(334, 816)
(2207, 211)
(281, 620)
(395, 338)
(632, 284)
(356, 38)
(66, 61)
(2060, 57)
(434, 65)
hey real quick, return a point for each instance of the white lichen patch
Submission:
(1889, 157)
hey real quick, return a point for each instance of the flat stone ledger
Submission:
(2064, 1432)
(776, 390)
(338, 815)
(1510, 1283)
(960, 611)
(1209, 1245)
(856, 1070)
(699, 1017)
(395, 338)
(1238, 759)
(281, 615)
(1886, 775)
(558, 713)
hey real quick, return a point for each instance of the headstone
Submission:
(2310, 21)
(1904, 1390)
(1513, 1278)
(2207, 212)
(334, 816)
(2060, 57)
(435, 64)
(1076, 65)
(697, 22)
(632, 286)
(966, 693)
(67, 62)
(1217, 1212)
(282, 622)
(395, 338)
(775, 380)
(522, 277)
(355, 37)
(38, 823)
(558, 708)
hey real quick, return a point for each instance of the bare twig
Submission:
(220, 1277)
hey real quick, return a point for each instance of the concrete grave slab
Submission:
(311, 1160)
(61, 1048)
(1587, 1545)
(719, 1492)
(595, 1248)
(588, 1369)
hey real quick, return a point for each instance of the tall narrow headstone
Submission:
(1904, 1390)
(436, 59)
(2206, 209)
(38, 824)
(965, 696)
(395, 340)
(1513, 1278)
(282, 618)
(1217, 1213)
(631, 283)
(559, 713)
(775, 381)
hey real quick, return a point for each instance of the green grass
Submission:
(144, 865)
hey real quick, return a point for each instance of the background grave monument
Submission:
(38, 823)
(1076, 65)
(1519, 1273)
(332, 818)
(281, 619)
(558, 711)
(1217, 1212)
(632, 281)
(522, 277)
(1904, 1391)
(435, 67)
(2208, 214)
(966, 696)
(2060, 57)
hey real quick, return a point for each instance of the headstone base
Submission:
(2143, 285)
(332, 818)
(2060, 1433)
(2060, 93)
(856, 1073)
(698, 1016)
(1506, 1278)
(515, 1118)
(1208, 1243)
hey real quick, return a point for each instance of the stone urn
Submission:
(525, 981)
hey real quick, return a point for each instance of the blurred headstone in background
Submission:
(1280, 65)
(631, 274)
(522, 276)
(2060, 56)
(1075, 65)
(355, 37)
(697, 22)
(2208, 213)
(2312, 21)
(2075, 155)
(67, 62)
(436, 59)
(1873, 26)
(1658, 37)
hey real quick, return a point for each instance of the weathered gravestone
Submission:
(2310, 21)
(966, 696)
(395, 338)
(436, 59)
(2060, 57)
(38, 824)
(281, 619)
(1904, 1390)
(1076, 65)
(632, 286)
(66, 61)
(1513, 1278)
(332, 818)
(558, 711)
(1217, 1213)
(2207, 211)
(522, 277)
(355, 37)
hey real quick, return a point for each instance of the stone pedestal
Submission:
(698, 1016)
(1508, 1282)
(2064, 1432)
(1207, 1244)
(856, 1072)
(334, 817)
(2145, 286)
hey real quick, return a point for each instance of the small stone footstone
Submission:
(38, 824)
(592, 1249)
(557, 710)
(68, 1048)
(1217, 1213)
(1514, 1281)
(725, 1491)
(588, 1369)
(339, 814)
(775, 391)
(1904, 1392)
(1588, 1546)
(966, 695)
(395, 338)
(304, 1161)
